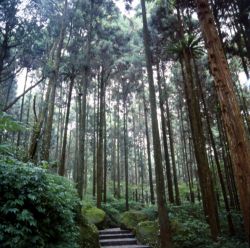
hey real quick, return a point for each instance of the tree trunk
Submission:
(172, 152)
(118, 152)
(61, 170)
(125, 134)
(22, 107)
(152, 197)
(171, 142)
(165, 141)
(205, 179)
(53, 81)
(94, 147)
(222, 183)
(105, 159)
(99, 177)
(238, 142)
(165, 231)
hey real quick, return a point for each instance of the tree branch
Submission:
(25, 92)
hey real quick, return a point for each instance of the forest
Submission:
(124, 123)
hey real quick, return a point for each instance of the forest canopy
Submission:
(127, 110)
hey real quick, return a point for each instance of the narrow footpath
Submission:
(117, 238)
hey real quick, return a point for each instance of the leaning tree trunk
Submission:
(238, 142)
(165, 231)
(36, 129)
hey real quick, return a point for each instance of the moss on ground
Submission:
(95, 216)
(130, 219)
(89, 237)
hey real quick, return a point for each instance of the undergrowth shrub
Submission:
(37, 209)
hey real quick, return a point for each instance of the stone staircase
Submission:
(117, 238)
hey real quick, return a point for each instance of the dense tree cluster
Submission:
(152, 107)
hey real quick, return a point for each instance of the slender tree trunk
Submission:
(165, 231)
(238, 142)
(105, 160)
(22, 107)
(204, 173)
(135, 159)
(61, 170)
(94, 148)
(75, 167)
(125, 134)
(152, 197)
(165, 141)
(222, 183)
(172, 151)
(118, 152)
(208, 195)
(114, 161)
(99, 177)
(53, 82)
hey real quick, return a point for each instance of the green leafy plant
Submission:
(37, 209)
(7, 123)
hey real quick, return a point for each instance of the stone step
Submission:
(118, 242)
(126, 246)
(116, 236)
(113, 231)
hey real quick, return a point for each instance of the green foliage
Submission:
(151, 212)
(147, 233)
(89, 236)
(191, 233)
(37, 209)
(8, 124)
(189, 42)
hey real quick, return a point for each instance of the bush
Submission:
(148, 232)
(191, 233)
(89, 236)
(37, 209)
(151, 212)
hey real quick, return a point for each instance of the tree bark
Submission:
(53, 81)
(22, 107)
(151, 185)
(99, 177)
(61, 170)
(165, 141)
(165, 231)
(238, 142)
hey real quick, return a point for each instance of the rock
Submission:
(95, 216)
(89, 236)
(147, 232)
(113, 217)
(130, 219)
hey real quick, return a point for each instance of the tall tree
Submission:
(237, 137)
(165, 232)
